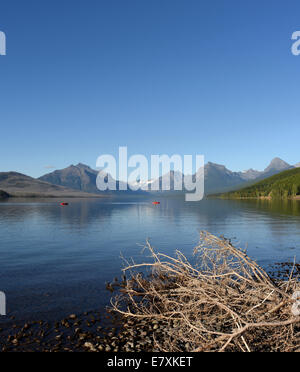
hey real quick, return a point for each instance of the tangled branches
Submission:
(224, 302)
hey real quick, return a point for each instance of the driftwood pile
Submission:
(224, 301)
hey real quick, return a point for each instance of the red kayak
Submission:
(156, 203)
(64, 204)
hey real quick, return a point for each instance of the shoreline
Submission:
(89, 332)
(52, 196)
(255, 198)
(105, 331)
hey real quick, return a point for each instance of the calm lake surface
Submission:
(55, 260)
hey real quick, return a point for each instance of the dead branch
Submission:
(223, 302)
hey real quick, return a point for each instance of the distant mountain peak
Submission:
(78, 177)
(278, 165)
(215, 165)
(211, 164)
(278, 160)
(83, 166)
(17, 184)
(250, 174)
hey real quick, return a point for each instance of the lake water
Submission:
(55, 260)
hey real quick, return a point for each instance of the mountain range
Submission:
(220, 179)
(217, 177)
(79, 177)
(19, 185)
(80, 181)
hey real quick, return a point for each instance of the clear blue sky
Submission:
(213, 77)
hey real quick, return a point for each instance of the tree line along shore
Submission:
(285, 185)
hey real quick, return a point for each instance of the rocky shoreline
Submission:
(105, 331)
(85, 333)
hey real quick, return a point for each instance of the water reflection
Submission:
(69, 252)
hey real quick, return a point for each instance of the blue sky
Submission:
(213, 77)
